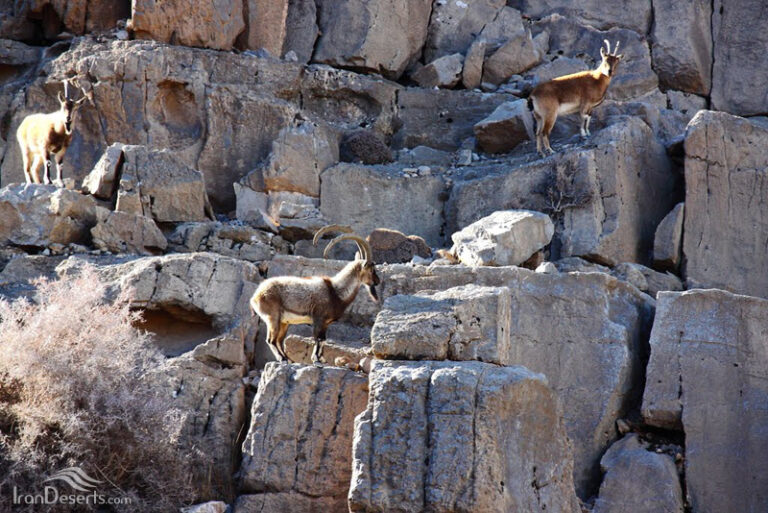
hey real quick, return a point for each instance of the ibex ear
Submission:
(620, 56)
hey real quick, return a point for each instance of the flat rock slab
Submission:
(462, 323)
(707, 376)
(506, 237)
(470, 436)
(668, 241)
(726, 223)
(300, 437)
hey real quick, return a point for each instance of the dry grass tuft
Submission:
(73, 392)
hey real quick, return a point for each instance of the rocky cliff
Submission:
(581, 332)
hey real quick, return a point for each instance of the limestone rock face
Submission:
(443, 436)
(708, 356)
(682, 45)
(454, 25)
(300, 437)
(383, 198)
(638, 480)
(462, 323)
(301, 29)
(740, 69)
(606, 200)
(379, 36)
(120, 232)
(635, 15)
(724, 230)
(265, 25)
(40, 215)
(668, 241)
(299, 155)
(157, 185)
(585, 332)
(634, 76)
(441, 119)
(506, 237)
(216, 286)
(189, 23)
(505, 128)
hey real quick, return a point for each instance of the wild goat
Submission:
(317, 300)
(43, 136)
(580, 92)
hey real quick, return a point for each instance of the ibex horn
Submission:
(607, 46)
(616, 48)
(330, 228)
(362, 244)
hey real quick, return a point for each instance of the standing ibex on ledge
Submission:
(580, 92)
(317, 300)
(46, 136)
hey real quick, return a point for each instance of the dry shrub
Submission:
(73, 392)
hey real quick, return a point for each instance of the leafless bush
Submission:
(73, 393)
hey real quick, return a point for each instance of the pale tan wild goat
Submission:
(317, 300)
(43, 137)
(580, 92)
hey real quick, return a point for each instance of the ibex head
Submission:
(366, 268)
(68, 104)
(610, 59)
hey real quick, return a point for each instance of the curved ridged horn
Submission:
(66, 89)
(330, 228)
(616, 48)
(362, 244)
(607, 46)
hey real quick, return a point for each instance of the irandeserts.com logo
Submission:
(78, 488)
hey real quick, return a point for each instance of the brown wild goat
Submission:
(580, 92)
(318, 300)
(46, 136)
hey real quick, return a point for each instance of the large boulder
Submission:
(103, 179)
(299, 154)
(158, 185)
(681, 43)
(233, 240)
(740, 67)
(634, 15)
(393, 246)
(668, 241)
(638, 480)
(301, 29)
(706, 377)
(506, 127)
(370, 197)
(647, 280)
(468, 436)
(725, 223)
(605, 200)
(454, 25)
(379, 36)
(443, 72)
(300, 438)
(506, 237)
(121, 232)
(40, 215)
(462, 323)
(518, 54)
(189, 23)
